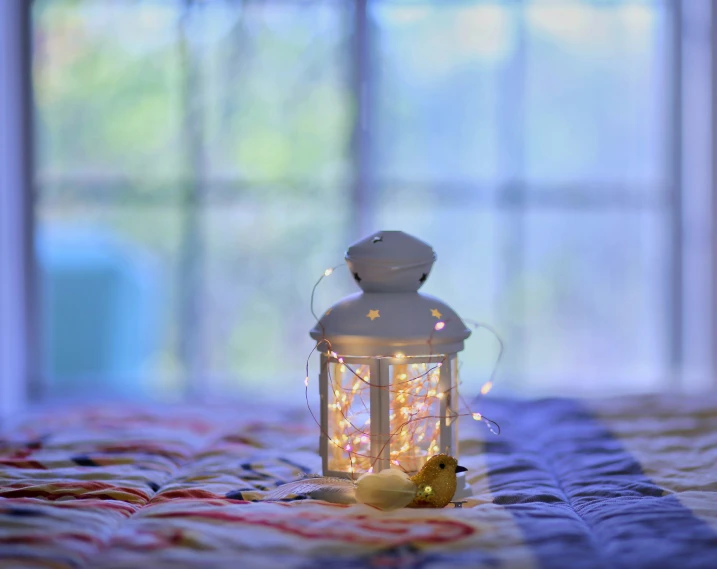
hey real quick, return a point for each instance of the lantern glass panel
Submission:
(415, 412)
(349, 449)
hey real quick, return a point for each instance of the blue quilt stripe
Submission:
(581, 500)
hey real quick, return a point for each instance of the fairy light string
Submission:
(415, 397)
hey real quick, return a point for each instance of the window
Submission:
(200, 163)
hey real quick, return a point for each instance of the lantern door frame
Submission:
(380, 405)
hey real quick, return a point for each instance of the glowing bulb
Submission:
(400, 356)
(327, 272)
(348, 448)
(486, 388)
(341, 360)
(370, 470)
(441, 395)
(477, 416)
(334, 354)
(396, 463)
(439, 326)
(306, 381)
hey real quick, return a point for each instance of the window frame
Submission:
(18, 334)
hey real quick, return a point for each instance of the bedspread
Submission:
(629, 482)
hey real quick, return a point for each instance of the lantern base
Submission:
(463, 489)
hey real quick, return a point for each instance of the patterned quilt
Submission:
(628, 483)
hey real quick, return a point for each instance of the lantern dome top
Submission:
(390, 261)
(390, 317)
(376, 324)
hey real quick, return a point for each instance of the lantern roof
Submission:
(390, 316)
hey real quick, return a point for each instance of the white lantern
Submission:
(388, 379)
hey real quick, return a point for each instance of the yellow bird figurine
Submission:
(436, 482)
(431, 487)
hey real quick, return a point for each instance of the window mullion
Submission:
(511, 196)
(362, 82)
(192, 250)
(674, 175)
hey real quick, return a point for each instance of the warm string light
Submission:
(415, 404)
(414, 436)
(349, 416)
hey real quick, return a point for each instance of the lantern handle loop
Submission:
(325, 274)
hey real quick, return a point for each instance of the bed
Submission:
(628, 482)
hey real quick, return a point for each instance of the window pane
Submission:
(596, 292)
(273, 87)
(106, 77)
(263, 258)
(596, 94)
(436, 90)
(109, 287)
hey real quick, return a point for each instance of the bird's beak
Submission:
(460, 469)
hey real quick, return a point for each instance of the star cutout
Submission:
(434, 312)
(373, 314)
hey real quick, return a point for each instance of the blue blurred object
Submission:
(100, 321)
